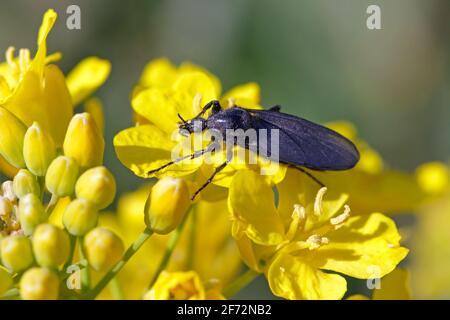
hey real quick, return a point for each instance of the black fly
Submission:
(302, 144)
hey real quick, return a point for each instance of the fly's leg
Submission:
(215, 104)
(194, 155)
(210, 179)
(309, 175)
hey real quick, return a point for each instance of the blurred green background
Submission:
(315, 57)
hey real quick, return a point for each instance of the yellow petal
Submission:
(358, 297)
(45, 101)
(299, 189)
(252, 204)
(94, 107)
(86, 77)
(145, 148)
(364, 247)
(246, 95)
(158, 73)
(161, 105)
(433, 177)
(394, 286)
(188, 67)
(39, 60)
(291, 278)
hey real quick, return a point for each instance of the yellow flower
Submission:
(103, 248)
(164, 92)
(11, 139)
(181, 286)
(61, 176)
(24, 183)
(50, 245)
(372, 186)
(39, 284)
(433, 178)
(36, 90)
(16, 253)
(167, 204)
(96, 185)
(84, 142)
(38, 149)
(205, 245)
(394, 286)
(79, 217)
(31, 213)
(310, 231)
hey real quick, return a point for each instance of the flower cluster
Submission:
(55, 242)
(55, 161)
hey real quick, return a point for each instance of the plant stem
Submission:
(169, 250)
(85, 277)
(240, 283)
(73, 243)
(119, 265)
(51, 205)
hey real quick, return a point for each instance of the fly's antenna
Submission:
(181, 118)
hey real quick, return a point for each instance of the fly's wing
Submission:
(302, 142)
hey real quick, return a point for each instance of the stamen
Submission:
(315, 241)
(318, 201)
(196, 103)
(231, 102)
(24, 59)
(10, 57)
(342, 217)
(299, 212)
(298, 215)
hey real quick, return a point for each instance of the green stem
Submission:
(169, 250)
(119, 265)
(85, 277)
(73, 243)
(240, 283)
(51, 205)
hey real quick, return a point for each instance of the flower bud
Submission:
(11, 138)
(24, 183)
(31, 213)
(16, 253)
(6, 280)
(8, 190)
(103, 248)
(39, 284)
(98, 186)
(79, 217)
(84, 141)
(38, 149)
(51, 245)
(61, 176)
(166, 205)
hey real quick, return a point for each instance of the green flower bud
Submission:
(79, 217)
(38, 149)
(61, 176)
(98, 186)
(39, 284)
(84, 142)
(166, 205)
(103, 248)
(31, 213)
(16, 253)
(11, 138)
(24, 183)
(6, 280)
(51, 245)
